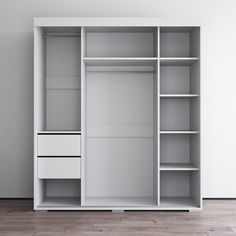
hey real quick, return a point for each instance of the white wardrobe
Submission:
(116, 114)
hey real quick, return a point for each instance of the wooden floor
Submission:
(17, 218)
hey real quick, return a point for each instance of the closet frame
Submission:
(121, 88)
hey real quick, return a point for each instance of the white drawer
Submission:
(59, 168)
(59, 145)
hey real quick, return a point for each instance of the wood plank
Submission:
(18, 218)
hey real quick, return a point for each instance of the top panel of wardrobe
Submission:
(114, 21)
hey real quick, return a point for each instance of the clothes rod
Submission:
(62, 36)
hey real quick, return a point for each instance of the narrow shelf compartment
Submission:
(179, 114)
(60, 202)
(180, 189)
(178, 95)
(178, 202)
(120, 61)
(62, 80)
(177, 61)
(120, 201)
(179, 152)
(177, 167)
(180, 79)
(179, 41)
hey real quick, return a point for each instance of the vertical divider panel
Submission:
(158, 116)
(155, 109)
(39, 106)
(83, 116)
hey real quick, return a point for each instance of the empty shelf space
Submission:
(177, 61)
(180, 80)
(176, 189)
(178, 132)
(59, 82)
(179, 41)
(178, 95)
(121, 42)
(177, 167)
(120, 201)
(120, 61)
(177, 202)
(60, 202)
(179, 114)
(179, 152)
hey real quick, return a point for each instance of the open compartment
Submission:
(120, 102)
(62, 78)
(120, 163)
(179, 41)
(64, 193)
(179, 152)
(179, 114)
(180, 80)
(119, 172)
(180, 189)
(121, 42)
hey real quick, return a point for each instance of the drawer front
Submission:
(59, 168)
(59, 145)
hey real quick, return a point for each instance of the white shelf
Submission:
(178, 132)
(120, 201)
(177, 61)
(104, 137)
(178, 95)
(177, 167)
(120, 61)
(60, 202)
(177, 202)
(59, 132)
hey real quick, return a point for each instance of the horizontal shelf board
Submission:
(58, 132)
(177, 61)
(178, 95)
(63, 89)
(60, 202)
(120, 137)
(62, 36)
(121, 69)
(170, 29)
(177, 167)
(58, 156)
(177, 202)
(122, 208)
(120, 61)
(178, 132)
(117, 29)
(120, 201)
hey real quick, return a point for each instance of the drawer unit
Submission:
(59, 145)
(59, 168)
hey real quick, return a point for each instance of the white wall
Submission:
(218, 82)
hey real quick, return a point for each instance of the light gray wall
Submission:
(218, 82)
